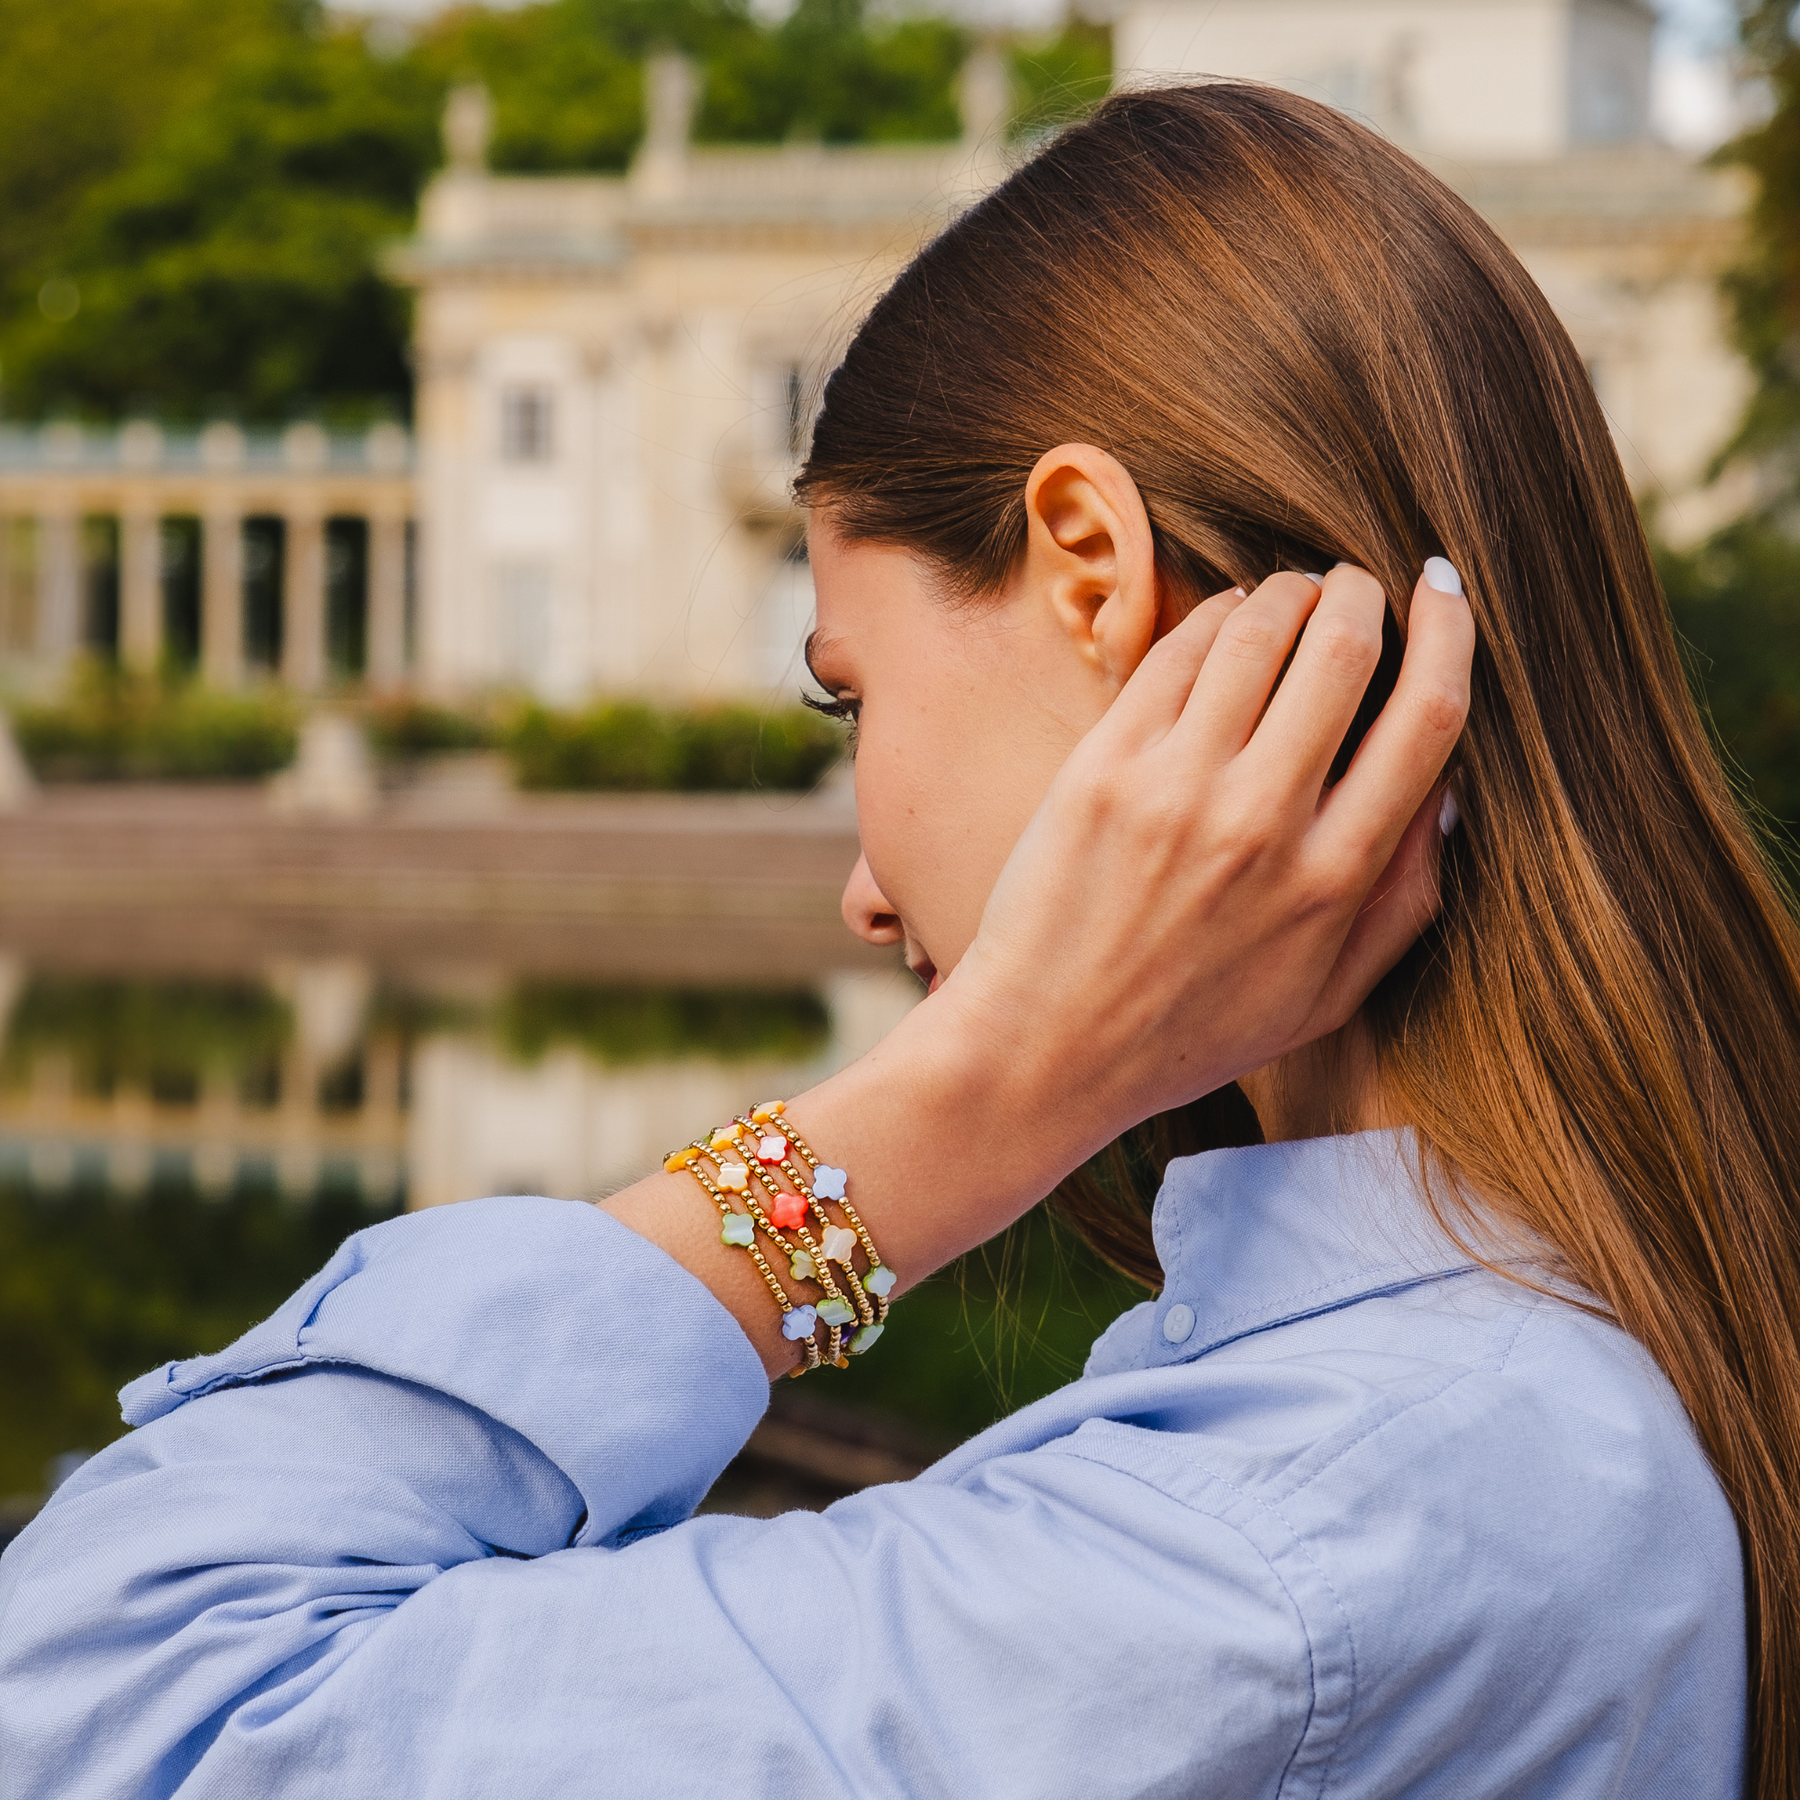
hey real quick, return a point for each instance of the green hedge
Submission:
(408, 727)
(113, 729)
(632, 745)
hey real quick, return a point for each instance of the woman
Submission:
(1456, 1455)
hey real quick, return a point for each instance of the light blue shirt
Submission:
(1338, 1514)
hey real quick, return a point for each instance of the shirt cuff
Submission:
(550, 1317)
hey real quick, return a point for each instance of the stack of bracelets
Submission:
(740, 1166)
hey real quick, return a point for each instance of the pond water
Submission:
(178, 1151)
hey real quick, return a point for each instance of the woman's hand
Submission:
(1187, 904)
(1190, 902)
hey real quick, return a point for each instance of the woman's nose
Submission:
(866, 909)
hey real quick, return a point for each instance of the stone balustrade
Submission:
(233, 553)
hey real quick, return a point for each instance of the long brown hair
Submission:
(1305, 348)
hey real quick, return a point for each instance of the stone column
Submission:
(303, 639)
(59, 587)
(222, 598)
(140, 592)
(387, 601)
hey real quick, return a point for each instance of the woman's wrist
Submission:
(946, 1140)
(948, 1132)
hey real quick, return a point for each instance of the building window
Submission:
(265, 570)
(179, 562)
(522, 622)
(410, 617)
(525, 420)
(100, 586)
(347, 596)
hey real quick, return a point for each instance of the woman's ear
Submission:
(1090, 554)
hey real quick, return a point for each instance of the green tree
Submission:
(85, 86)
(220, 247)
(1765, 287)
(826, 72)
(1060, 78)
(567, 94)
(1734, 603)
(237, 257)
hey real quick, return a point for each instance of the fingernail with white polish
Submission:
(1447, 813)
(1316, 580)
(1441, 574)
(1240, 593)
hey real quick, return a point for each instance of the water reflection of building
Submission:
(317, 1078)
(614, 372)
(570, 1124)
(288, 1084)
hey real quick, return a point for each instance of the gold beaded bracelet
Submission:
(745, 1156)
(837, 1312)
(821, 1183)
(732, 1232)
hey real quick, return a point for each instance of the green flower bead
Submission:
(737, 1228)
(802, 1266)
(836, 1312)
(865, 1338)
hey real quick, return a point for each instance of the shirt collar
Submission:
(1255, 1237)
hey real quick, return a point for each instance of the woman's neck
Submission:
(1327, 1087)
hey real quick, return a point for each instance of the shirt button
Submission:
(1178, 1323)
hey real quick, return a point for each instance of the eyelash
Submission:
(846, 712)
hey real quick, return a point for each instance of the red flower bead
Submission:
(788, 1211)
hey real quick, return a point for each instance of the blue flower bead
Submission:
(798, 1322)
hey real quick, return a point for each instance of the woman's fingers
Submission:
(1152, 700)
(1231, 691)
(1400, 760)
(1316, 703)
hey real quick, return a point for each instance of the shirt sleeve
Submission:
(426, 1532)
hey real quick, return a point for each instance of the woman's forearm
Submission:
(944, 1143)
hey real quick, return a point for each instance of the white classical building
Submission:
(614, 381)
(1488, 80)
(615, 373)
